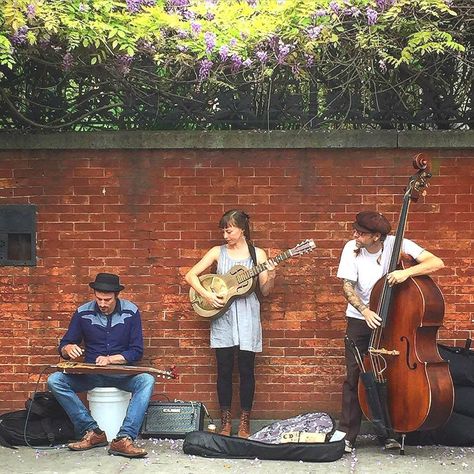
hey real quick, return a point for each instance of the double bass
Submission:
(413, 382)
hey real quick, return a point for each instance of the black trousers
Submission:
(225, 366)
(351, 414)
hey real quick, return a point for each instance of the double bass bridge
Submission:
(382, 352)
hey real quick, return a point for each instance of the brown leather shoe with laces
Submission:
(126, 447)
(244, 425)
(226, 423)
(90, 440)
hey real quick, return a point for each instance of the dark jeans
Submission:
(351, 415)
(225, 367)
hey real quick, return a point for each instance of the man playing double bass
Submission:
(364, 260)
(111, 331)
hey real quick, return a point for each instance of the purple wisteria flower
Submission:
(177, 3)
(134, 6)
(355, 12)
(195, 27)
(210, 40)
(124, 62)
(283, 52)
(232, 42)
(252, 3)
(309, 59)
(383, 66)
(224, 52)
(188, 14)
(210, 16)
(384, 4)
(372, 16)
(247, 62)
(262, 56)
(205, 69)
(68, 62)
(30, 11)
(19, 37)
(83, 7)
(319, 12)
(334, 6)
(314, 32)
(236, 62)
(182, 34)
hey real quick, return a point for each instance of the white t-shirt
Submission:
(364, 269)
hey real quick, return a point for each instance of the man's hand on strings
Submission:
(71, 351)
(396, 277)
(372, 319)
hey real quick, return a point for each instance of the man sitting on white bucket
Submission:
(111, 332)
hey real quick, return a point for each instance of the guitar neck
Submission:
(254, 271)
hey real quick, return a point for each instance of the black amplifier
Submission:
(173, 419)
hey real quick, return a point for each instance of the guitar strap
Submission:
(253, 254)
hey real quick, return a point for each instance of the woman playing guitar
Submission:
(239, 328)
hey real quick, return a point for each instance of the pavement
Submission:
(166, 456)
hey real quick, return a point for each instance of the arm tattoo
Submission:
(351, 296)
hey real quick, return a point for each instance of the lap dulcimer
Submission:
(70, 367)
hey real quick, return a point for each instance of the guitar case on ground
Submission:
(212, 445)
(271, 442)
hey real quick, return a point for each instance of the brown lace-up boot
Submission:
(91, 439)
(244, 425)
(226, 423)
(125, 446)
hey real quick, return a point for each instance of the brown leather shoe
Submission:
(226, 423)
(244, 424)
(90, 440)
(126, 447)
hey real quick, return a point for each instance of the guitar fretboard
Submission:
(254, 271)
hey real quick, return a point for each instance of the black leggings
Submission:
(225, 366)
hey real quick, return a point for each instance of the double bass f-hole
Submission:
(407, 355)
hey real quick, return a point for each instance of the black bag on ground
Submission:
(45, 404)
(458, 431)
(212, 445)
(461, 363)
(464, 400)
(40, 430)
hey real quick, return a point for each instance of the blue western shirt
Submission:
(118, 333)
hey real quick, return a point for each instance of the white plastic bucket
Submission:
(108, 406)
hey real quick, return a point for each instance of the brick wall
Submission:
(149, 215)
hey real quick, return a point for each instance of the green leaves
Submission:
(102, 29)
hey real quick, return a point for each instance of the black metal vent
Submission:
(17, 235)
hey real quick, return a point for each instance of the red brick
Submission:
(159, 215)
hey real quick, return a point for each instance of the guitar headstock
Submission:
(418, 183)
(306, 246)
(170, 373)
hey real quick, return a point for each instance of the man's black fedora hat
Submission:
(106, 282)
